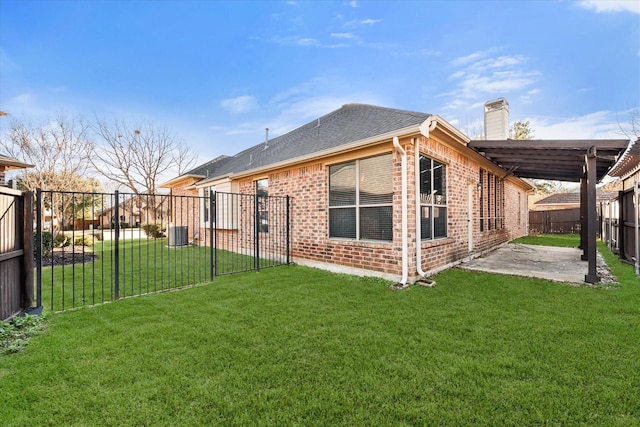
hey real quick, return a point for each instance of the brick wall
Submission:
(185, 211)
(307, 185)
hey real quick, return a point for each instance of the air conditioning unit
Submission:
(178, 236)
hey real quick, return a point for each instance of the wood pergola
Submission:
(583, 161)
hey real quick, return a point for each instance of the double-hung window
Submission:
(433, 199)
(205, 214)
(361, 199)
(262, 190)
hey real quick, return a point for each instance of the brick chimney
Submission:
(496, 119)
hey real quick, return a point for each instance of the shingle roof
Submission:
(350, 123)
(574, 198)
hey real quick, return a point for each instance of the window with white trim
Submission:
(262, 190)
(433, 199)
(361, 199)
(204, 205)
(491, 201)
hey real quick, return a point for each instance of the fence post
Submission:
(212, 235)
(287, 230)
(116, 252)
(636, 213)
(27, 245)
(39, 247)
(256, 227)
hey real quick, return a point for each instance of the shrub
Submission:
(154, 230)
(85, 240)
(14, 335)
(47, 240)
(61, 241)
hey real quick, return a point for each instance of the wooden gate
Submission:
(627, 238)
(16, 252)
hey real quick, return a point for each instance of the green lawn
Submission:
(146, 265)
(561, 240)
(298, 346)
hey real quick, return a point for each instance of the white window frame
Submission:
(204, 199)
(433, 200)
(358, 206)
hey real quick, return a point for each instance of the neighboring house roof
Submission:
(348, 124)
(9, 163)
(574, 198)
(629, 162)
(136, 204)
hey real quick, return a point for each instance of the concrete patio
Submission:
(545, 262)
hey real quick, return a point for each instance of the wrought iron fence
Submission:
(93, 248)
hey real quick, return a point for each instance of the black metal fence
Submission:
(93, 248)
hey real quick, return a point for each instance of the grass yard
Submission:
(146, 265)
(298, 346)
(560, 240)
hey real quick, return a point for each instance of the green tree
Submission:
(521, 130)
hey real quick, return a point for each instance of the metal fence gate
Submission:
(93, 248)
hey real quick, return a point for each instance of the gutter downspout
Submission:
(405, 229)
(432, 123)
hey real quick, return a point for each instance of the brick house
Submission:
(365, 182)
(136, 210)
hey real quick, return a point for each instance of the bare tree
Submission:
(631, 129)
(136, 156)
(59, 150)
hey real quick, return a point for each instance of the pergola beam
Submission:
(578, 160)
(560, 145)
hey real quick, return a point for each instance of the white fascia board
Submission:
(448, 126)
(464, 147)
(178, 179)
(212, 182)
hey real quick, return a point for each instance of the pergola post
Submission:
(591, 217)
(583, 214)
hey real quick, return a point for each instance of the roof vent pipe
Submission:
(266, 138)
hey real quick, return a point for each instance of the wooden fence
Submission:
(16, 252)
(564, 221)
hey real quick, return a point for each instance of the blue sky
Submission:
(217, 73)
